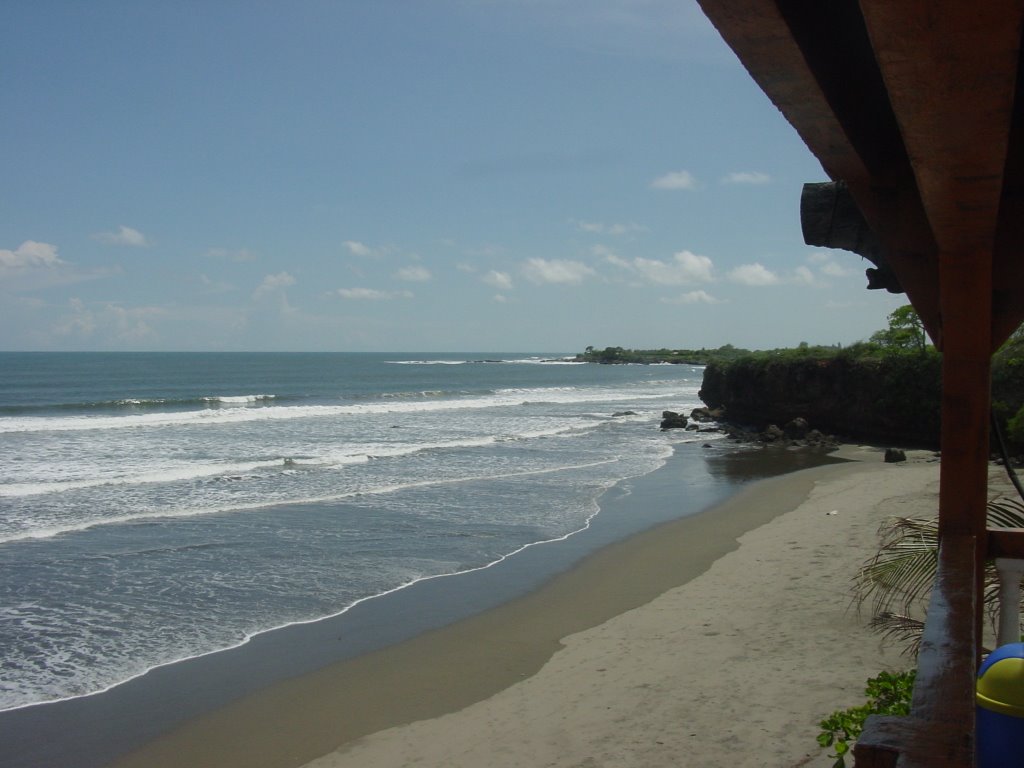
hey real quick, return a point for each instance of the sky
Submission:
(401, 175)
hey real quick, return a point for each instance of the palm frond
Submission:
(897, 580)
(905, 629)
(991, 595)
(901, 573)
(1006, 513)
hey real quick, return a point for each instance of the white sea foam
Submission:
(239, 399)
(96, 683)
(503, 398)
(164, 475)
(175, 529)
(50, 531)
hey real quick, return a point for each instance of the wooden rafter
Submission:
(813, 61)
(843, 74)
(950, 71)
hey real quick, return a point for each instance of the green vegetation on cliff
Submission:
(621, 356)
(864, 391)
(885, 389)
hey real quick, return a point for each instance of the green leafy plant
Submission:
(1015, 428)
(888, 694)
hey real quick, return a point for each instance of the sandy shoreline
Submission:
(676, 647)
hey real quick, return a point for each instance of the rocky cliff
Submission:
(893, 399)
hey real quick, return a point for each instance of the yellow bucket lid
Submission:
(1001, 687)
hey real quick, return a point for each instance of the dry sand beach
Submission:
(716, 640)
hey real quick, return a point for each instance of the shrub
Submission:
(888, 694)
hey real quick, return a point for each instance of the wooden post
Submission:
(966, 299)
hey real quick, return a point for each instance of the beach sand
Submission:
(734, 668)
(716, 640)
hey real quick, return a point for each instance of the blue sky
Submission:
(428, 175)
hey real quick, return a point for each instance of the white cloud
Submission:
(500, 280)
(684, 268)
(828, 266)
(80, 322)
(358, 249)
(600, 228)
(123, 236)
(618, 261)
(108, 321)
(692, 297)
(675, 180)
(803, 276)
(747, 177)
(556, 271)
(825, 265)
(413, 274)
(487, 250)
(129, 323)
(30, 254)
(239, 255)
(214, 286)
(273, 283)
(753, 274)
(370, 294)
(500, 299)
(833, 269)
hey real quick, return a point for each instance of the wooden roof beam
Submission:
(809, 71)
(760, 35)
(1008, 269)
(950, 71)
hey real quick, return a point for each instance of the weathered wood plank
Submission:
(1006, 542)
(907, 742)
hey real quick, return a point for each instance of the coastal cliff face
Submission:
(894, 399)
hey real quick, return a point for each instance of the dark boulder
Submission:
(706, 414)
(894, 455)
(673, 420)
(816, 439)
(797, 429)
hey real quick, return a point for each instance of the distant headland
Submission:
(621, 356)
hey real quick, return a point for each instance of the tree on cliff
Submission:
(905, 331)
(1008, 389)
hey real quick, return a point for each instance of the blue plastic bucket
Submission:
(1000, 708)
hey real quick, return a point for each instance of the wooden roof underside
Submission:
(914, 104)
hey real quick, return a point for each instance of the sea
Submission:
(156, 507)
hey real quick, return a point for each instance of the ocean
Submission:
(156, 507)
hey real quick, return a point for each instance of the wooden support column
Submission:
(966, 338)
(966, 341)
